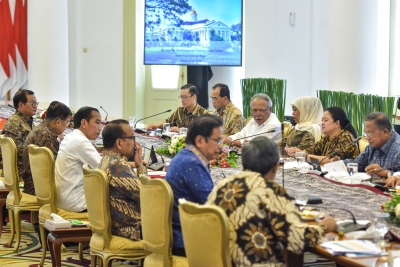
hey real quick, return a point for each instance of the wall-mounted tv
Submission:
(193, 32)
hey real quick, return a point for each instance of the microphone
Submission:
(11, 106)
(340, 148)
(271, 131)
(155, 165)
(151, 117)
(105, 112)
(347, 227)
(193, 115)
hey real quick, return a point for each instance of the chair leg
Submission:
(12, 226)
(17, 220)
(44, 244)
(80, 251)
(93, 260)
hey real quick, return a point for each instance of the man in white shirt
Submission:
(263, 121)
(75, 151)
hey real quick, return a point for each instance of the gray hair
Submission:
(263, 97)
(260, 155)
(380, 120)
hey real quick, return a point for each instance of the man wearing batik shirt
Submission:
(183, 116)
(189, 171)
(226, 110)
(263, 219)
(45, 135)
(119, 144)
(19, 125)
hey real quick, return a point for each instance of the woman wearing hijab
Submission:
(339, 134)
(307, 113)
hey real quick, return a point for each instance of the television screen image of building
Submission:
(193, 32)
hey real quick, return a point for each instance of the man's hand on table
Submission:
(336, 158)
(330, 224)
(151, 127)
(376, 169)
(291, 151)
(393, 181)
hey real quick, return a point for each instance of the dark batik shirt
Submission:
(42, 135)
(181, 113)
(17, 127)
(388, 156)
(124, 195)
(300, 139)
(189, 178)
(262, 218)
(336, 145)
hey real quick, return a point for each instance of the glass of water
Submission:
(301, 198)
(352, 169)
(132, 122)
(382, 227)
(183, 131)
(301, 160)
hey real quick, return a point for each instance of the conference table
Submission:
(361, 200)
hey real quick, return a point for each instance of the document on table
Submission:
(336, 166)
(352, 248)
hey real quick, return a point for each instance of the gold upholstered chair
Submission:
(205, 226)
(362, 144)
(156, 200)
(42, 167)
(17, 201)
(102, 243)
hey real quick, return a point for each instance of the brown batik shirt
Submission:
(178, 117)
(42, 135)
(232, 118)
(124, 195)
(17, 127)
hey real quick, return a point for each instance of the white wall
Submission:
(96, 77)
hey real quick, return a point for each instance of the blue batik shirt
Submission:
(189, 178)
(388, 156)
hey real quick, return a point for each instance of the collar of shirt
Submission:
(110, 153)
(200, 155)
(224, 110)
(25, 118)
(386, 147)
(187, 113)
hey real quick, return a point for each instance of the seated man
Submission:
(119, 144)
(57, 119)
(263, 121)
(189, 94)
(382, 156)
(260, 211)
(75, 151)
(224, 108)
(19, 125)
(189, 171)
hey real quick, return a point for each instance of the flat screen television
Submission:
(193, 32)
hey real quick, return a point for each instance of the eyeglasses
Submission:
(219, 141)
(253, 110)
(213, 99)
(34, 104)
(184, 97)
(129, 137)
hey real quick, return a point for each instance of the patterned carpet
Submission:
(30, 253)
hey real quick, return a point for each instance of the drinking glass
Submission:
(183, 131)
(301, 198)
(166, 127)
(352, 169)
(132, 121)
(301, 160)
(381, 226)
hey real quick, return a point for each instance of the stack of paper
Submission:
(353, 248)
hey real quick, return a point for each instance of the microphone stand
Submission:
(151, 117)
(105, 112)
(271, 131)
(349, 226)
(156, 166)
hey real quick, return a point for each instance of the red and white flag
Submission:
(13, 45)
